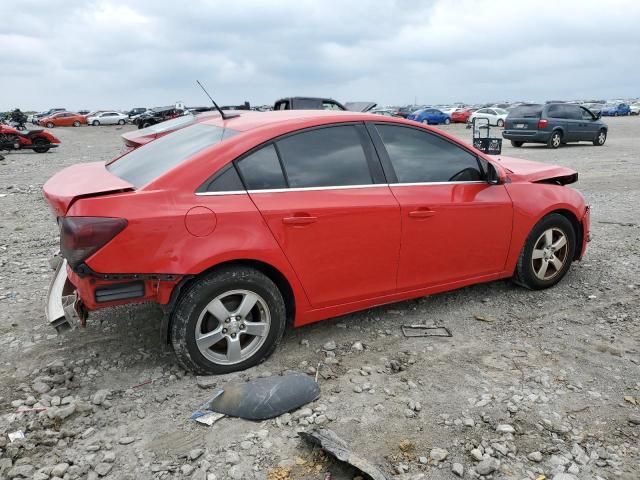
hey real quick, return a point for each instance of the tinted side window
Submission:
(573, 112)
(227, 180)
(261, 170)
(419, 157)
(325, 157)
(556, 111)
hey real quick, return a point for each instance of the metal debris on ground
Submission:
(331, 443)
(425, 331)
(209, 418)
(484, 318)
(262, 398)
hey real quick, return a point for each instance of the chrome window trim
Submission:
(343, 187)
(213, 194)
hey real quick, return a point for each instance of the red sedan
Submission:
(238, 226)
(461, 115)
(63, 119)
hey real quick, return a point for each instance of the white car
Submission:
(635, 108)
(107, 118)
(496, 116)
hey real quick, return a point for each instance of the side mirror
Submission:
(598, 115)
(493, 178)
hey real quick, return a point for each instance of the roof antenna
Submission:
(222, 114)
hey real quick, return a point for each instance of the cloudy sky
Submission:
(121, 54)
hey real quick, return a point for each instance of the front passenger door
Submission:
(455, 226)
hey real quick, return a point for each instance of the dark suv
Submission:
(553, 124)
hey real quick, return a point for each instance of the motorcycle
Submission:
(38, 140)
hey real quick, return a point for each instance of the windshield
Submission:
(144, 164)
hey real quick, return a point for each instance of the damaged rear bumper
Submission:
(63, 308)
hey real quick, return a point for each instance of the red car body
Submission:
(331, 251)
(63, 119)
(461, 116)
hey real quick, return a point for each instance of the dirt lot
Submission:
(547, 384)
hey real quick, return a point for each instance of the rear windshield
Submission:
(526, 111)
(168, 125)
(146, 163)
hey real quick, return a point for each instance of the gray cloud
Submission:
(120, 54)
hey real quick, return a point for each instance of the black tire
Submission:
(447, 121)
(555, 140)
(41, 145)
(525, 273)
(76, 123)
(50, 125)
(95, 123)
(500, 122)
(193, 301)
(516, 143)
(121, 122)
(145, 125)
(600, 138)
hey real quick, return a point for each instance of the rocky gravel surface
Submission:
(532, 385)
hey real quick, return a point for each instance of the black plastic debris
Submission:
(331, 443)
(425, 331)
(262, 398)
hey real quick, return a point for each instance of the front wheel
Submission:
(50, 125)
(76, 123)
(547, 253)
(425, 121)
(95, 123)
(228, 321)
(555, 140)
(120, 122)
(600, 139)
(517, 144)
(500, 122)
(447, 121)
(41, 145)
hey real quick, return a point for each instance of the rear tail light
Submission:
(542, 123)
(81, 237)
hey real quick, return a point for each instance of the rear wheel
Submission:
(555, 140)
(500, 122)
(601, 138)
(517, 144)
(547, 253)
(447, 121)
(228, 321)
(121, 122)
(41, 145)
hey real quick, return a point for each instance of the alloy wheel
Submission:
(549, 254)
(602, 137)
(556, 140)
(232, 327)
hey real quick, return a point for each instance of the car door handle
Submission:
(422, 213)
(299, 220)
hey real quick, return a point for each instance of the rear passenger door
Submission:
(323, 195)
(557, 118)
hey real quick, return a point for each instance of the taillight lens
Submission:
(81, 237)
(542, 123)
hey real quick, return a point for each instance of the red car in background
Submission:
(239, 226)
(461, 115)
(63, 119)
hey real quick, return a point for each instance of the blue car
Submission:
(615, 110)
(430, 116)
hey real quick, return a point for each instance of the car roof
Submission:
(249, 120)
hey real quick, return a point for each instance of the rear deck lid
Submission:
(78, 181)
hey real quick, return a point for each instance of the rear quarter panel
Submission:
(156, 239)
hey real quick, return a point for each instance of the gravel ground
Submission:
(531, 384)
